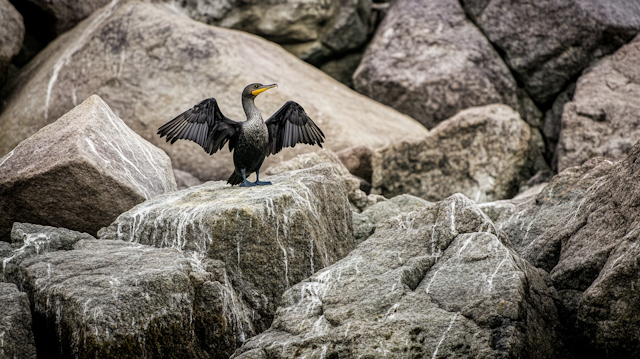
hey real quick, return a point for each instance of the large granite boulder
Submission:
(270, 237)
(582, 228)
(603, 119)
(80, 172)
(313, 30)
(16, 336)
(429, 61)
(109, 298)
(438, 282)
(548, 43)
(64, 13)
(11, 35)
(485, 153)
(151, 63)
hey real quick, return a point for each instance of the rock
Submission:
(352, 184)
(365, 223)
(16, 337)
(150, 64)
(66, 13)
(106, 298)
(343, 67)
(602, 120)
(358, 161)
(582, 228)
(429, 61)
(484, 152)
(547, 44)
(270, 237)
(437, 282)
(313, 30)
(553, 125)
(11, 35)
(185, 179)
(80, 172)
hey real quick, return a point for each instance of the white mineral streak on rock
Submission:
(435, 352)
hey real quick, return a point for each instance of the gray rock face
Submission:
(104, 298)
(365, 223)
(484, 153)
(270, 237)
(311, 29)
(67, 13)
(602, 120)
(358, 161)
(150, 64)
(438, 282)
(582, 228)
(16, 336)
(11, 35)
(553, 125)
(548, 43)
(185, 179)
(429, 61)
(80, 172)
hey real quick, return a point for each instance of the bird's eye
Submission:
(256, 86)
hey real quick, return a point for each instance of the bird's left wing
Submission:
(203, 124)
(291, 125)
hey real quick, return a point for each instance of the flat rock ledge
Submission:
(270, 237)
(438, 282)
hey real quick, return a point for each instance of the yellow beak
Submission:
(262, 89)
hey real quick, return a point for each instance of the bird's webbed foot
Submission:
(262, 183)
(246, 183)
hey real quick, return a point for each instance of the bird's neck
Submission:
(250, 110)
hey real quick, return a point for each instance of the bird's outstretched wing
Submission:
(291, 125)
(203, 124)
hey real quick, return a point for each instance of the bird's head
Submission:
(253, 90)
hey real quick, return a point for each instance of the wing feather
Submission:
(291, 125)
(203, 124)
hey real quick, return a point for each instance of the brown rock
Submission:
(11, 35)
(150, 64)
(80, 172)
(485, 153)
(358, 161)
(603, 118)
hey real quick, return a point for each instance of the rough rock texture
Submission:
(548, 43)
(583, 229)
(16, 336)
(604, 117)
(311, 29)
(185, 179)
(351, 183)
(429, 61)
(483, 152)
(438, 282)
(11, 35)
(270, 237)
(553, 125)
(150, 64)
(358, 161)
(80, 172)
(104, 298)
(66, 13)
(343, 67)
(365, 223)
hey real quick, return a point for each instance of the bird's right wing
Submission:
(203, 124)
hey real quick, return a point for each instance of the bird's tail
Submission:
(235, 179)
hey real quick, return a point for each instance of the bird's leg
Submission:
(245, 183)
(258, 179)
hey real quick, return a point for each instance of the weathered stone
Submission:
(485, 153)
(328, 27)
(553, 125)
(270, 237)
(66, 13)
(358, 161)
(356, 196)
(80, 172)
(11, 35)
(16, 336)
(185, 179)
(150, 64)
(602, 120)
(582, 228)
(343, 67)
(548, 43)
(437, 282)
(429, 61)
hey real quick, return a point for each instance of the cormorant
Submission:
(253, 139)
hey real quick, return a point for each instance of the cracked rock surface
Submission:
(16, 336)
(438, 282)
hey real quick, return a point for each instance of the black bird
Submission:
(253, 139)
